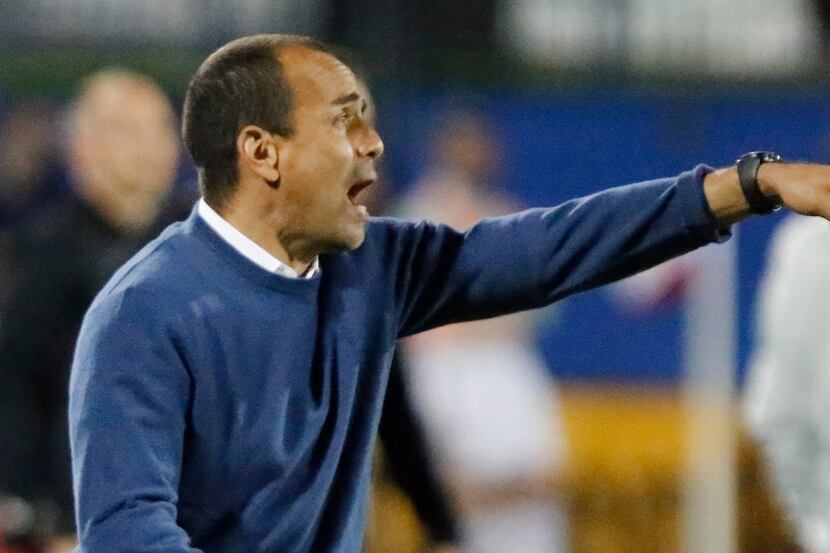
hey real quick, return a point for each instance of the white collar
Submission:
(248, 247)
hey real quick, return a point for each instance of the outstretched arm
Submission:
(533, 258)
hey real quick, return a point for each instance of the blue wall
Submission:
(572, 142)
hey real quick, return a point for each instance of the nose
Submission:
(371, 146)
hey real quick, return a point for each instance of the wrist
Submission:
(748, 166)
(724, 196)
(769, 174)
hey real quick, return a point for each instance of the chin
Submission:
(347, 239)
(355, 239)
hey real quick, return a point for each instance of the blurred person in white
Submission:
(487, 398)
(122, 155)
(407, 455)
(787, 405)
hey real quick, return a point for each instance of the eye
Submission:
(343, 118)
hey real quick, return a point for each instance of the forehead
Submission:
(316, 78)
(105, 101)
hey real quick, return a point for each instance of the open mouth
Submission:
(357, 188)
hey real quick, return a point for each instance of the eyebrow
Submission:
(345, 99)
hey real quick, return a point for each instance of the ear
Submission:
(257, 149)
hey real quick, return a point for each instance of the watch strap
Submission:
(748, 165)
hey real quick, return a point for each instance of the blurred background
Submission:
(625, 403)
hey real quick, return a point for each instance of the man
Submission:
(122, 163)
(27, 161)
(228, 380)
(27, 173)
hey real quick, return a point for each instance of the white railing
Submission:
(732, 37)
(168, 22)
(728, 37)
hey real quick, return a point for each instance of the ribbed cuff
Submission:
(701, 224)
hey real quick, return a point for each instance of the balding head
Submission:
(278, 130)
(242, 83)
(123, 146)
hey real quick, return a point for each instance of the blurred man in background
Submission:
(28, 172)
(788, 385)
(486, 394)
(122, 157)
(28, 160)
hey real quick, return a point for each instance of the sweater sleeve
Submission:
(530, 259)
(129, 395)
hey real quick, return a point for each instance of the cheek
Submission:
(325, 171)
(338, 158)
(336, 145)
(325, 159)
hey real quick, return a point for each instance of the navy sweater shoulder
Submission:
(217, 407)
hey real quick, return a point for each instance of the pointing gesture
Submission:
(803, 188)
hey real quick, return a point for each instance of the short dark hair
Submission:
(242, 83)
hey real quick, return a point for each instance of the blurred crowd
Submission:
(74, 211)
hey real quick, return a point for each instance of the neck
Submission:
(259, 225)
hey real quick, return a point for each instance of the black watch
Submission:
(748, 165)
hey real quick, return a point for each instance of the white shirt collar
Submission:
(248, 247)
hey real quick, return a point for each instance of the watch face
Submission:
(763, 157)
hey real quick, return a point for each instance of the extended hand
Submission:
(803, 188)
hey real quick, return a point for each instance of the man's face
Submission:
(331, 157)
(126, 149)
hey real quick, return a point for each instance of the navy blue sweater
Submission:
(217, 407)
